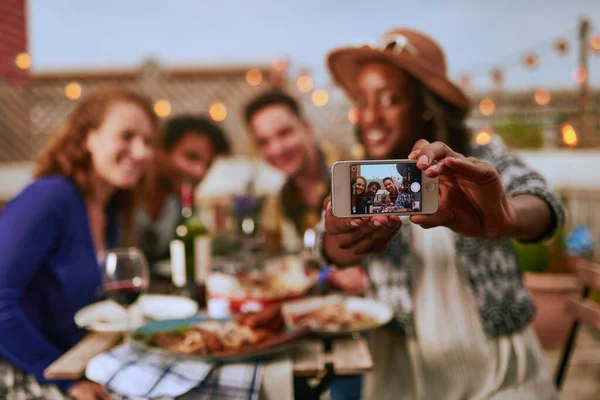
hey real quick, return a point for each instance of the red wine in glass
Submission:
(125, 277)
(124, 293)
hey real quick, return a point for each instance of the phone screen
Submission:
(385, 188)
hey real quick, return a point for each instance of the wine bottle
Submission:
(191, 252)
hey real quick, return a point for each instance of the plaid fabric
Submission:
(18, 385)
(131, 373)
(235, 381)
(490, 264)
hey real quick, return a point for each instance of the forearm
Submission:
(531, 217)
(338, 256)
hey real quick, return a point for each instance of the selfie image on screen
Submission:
(385, 188)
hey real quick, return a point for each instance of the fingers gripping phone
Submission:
(363, 188)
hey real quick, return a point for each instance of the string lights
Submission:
(162, 108)
(561, 46)
(542, 97)
(487, 106)
(320, 97)
(484, 136)
(530, 59)
(304, 83)
(73, 90)
(569, 134)
(218, 111)
(23, 61)
(254, 77)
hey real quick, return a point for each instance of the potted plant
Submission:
(517, 133)
(549, 276)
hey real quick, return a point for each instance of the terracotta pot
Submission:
(551, 292)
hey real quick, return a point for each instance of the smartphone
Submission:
(363, 188)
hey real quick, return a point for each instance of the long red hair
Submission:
(66, 153)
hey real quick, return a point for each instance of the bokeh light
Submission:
(254, 77)
(73, 90)
(487, 106)
(162, 108)
(320, 97)
(218, 111)
(23, 61)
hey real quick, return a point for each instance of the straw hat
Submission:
(411, 51)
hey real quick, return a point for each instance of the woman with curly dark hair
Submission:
(462, 315)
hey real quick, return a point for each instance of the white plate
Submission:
(381, 312)
(159, 307)
(108, 316)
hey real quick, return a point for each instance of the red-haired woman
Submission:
(53, 234)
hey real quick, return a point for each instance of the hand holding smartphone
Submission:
(365, 188)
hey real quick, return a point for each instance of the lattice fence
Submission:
(30, 113)
(563, 105)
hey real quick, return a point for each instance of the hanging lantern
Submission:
(542, 97)
(595, 44)
(497, 76)
(561, 46)
(530, 60)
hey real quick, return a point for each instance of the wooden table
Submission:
(314, 359)
(326, 359)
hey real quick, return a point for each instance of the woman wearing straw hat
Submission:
(462, 315)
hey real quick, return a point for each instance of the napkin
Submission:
(138, 374)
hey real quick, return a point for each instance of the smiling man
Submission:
(286, 140)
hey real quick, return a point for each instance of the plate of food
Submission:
(248, 337)
(336, 315)
(281, 279)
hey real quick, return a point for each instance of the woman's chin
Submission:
(379, 153)
(126, 183)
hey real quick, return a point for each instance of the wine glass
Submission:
(125, 277)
